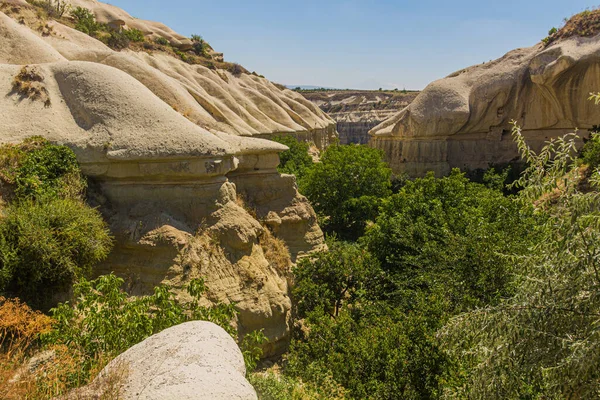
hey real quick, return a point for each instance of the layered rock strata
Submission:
(464, 119)
(169, 184)
(357, 112)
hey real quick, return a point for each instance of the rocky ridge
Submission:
(357, 112)
(464, 119)
(170, 151)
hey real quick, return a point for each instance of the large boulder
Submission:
(196, 360)
(464, 119)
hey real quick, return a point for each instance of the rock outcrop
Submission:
(170, 149)
(357, 112)
(464, 119)
(196, 360)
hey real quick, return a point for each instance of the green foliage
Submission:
(543, 341)
(85, 21)
(272, 386)
(47, 171)
(48, 236)
(373, 352)
(327, 281)
(199, 46)
(162, 41)
(345, 188)
(296, 160)
(118, 40)
(46, 245)
(450, 234)
(104, 320)
(134, 35)
(590, 154)
(251, 349)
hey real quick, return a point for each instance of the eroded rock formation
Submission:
(464, 119)
(169, 149)
(195, 360)
(357, 112)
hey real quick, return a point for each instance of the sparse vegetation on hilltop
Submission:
(584, 24)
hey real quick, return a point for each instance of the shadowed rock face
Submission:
(168, 148)
(357, 112)
(464, 119)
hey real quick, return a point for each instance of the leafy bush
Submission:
(118, 40)
(345, 188)
(162, 41)
(105, 320)
(85, 21)
(590, 154)
(236, 69)
(48, 236)
(373, 352)
(543, 341)
(134, 35)
(331, 280)
(54, 8)
(47, 171)
(296, 160)
(452, 233)
(45, 246)
(199, 46)
(272, 386)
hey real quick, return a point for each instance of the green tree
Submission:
(450, 234)
(346, 188)
(543, 341)
(329, 280)
(296, 160)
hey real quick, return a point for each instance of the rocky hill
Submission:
(464, 119)
(356, 112)
(171, 151)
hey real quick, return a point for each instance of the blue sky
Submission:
(359, 43)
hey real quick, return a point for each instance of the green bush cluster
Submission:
(199, 46)
(85, 21)
(346, 188)
(104, 321)
(371, 310)
(134, 35)
(590, 154)
(295, 161)
(49, 237)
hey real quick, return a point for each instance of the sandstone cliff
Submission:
(464, 119)
(357, 112)
(170, 150)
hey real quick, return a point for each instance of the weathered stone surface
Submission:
(464, 119)
(196, 360)
(356, 112)
(166, 180)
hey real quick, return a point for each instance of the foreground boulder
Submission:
(196, 360)
(464, 119)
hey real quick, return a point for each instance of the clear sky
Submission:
(361, 44)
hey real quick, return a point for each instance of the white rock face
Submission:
(464, 119)
(196, 360)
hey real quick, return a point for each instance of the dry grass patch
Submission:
(276, 251)
(584, 24)
(29, 84)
